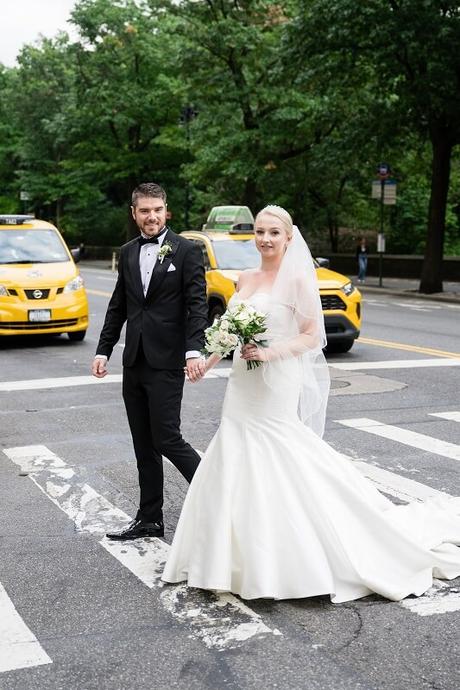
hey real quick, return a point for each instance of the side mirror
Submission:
(76, 254)
(322, 262)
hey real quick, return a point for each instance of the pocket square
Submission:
(171, 267)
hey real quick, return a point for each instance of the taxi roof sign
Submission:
(14, 219)
(234, 219)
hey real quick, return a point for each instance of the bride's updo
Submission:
(280, 214)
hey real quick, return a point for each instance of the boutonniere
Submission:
(165, 249)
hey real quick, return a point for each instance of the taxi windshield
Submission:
(236, 254)
(31, 247)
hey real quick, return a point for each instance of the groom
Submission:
(161, 294)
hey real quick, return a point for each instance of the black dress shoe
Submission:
(138, 529)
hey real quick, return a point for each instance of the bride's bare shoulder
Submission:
(246, 277)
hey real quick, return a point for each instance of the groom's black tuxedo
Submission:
(171, 318)
(161, 327)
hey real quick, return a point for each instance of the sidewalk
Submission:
(403, 287)
(399, 287)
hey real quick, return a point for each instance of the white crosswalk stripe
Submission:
(442, 597)
(396, 364)
(451, 416)
(405, 436)
(220, 621)
(70, 381)
(19, 648)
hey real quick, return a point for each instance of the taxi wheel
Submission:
(340, 346)
(77, 336)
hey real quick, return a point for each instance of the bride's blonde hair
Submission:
(281, 214)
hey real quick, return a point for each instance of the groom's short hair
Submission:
(148, 189)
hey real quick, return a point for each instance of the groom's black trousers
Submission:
(153, 400)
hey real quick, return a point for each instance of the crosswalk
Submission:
(219, 621)
(412, 304)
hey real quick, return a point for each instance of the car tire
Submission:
(340, 345)
(214, 313)
(76, 336)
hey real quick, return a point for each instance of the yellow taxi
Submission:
(227, 243)
(41, 290)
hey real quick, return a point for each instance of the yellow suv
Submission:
(228, 247)
(41, 290)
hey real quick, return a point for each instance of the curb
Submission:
(371, 289)
(435, 297)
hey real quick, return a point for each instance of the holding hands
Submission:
(195, 368)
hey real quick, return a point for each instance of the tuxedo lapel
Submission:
(161, 267)
(134, 269)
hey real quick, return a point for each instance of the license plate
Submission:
(40, 315)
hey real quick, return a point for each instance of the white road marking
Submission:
(218, 373)
(222, 621)
(396, 485)
(414, 307)
(219, 620)
(440, 598)
(405, 436)
(396, 364)
(451, 416)
(70, 381)
(63, 382)
(19, 648)
(419, 305)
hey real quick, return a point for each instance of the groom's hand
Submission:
(99, 367)
(195, 368)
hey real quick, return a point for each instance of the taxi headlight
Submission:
(348, 288)
(3, 291)
(74, 284)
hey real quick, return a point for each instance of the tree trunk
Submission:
(431, 278)
(59, 206)
(333, 231)
(250, 194)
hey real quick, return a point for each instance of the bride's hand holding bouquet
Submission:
(240, 325)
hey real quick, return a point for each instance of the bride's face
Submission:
(270, 236)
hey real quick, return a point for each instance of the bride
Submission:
(273, 511)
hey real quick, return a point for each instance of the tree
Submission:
(412, 49)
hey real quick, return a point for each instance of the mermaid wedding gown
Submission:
(274, 511)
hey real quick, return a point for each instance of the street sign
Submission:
(380, 243)
(389, 191)
(383, 171)
(24, 196)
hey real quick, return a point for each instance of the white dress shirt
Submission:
(148, 255)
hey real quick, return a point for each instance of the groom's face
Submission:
(149, 214)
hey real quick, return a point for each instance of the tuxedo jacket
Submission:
(171, 318)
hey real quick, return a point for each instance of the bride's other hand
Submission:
(252, 352)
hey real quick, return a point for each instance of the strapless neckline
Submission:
(257, 292)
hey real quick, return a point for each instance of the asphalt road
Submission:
(77, 613)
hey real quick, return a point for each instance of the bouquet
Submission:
(240, 324)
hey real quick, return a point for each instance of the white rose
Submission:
(233, 339)
(243, 314)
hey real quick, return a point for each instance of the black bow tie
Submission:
(149, 240)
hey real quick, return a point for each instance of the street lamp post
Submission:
(383, 173)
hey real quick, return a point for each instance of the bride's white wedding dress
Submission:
(274, 511)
